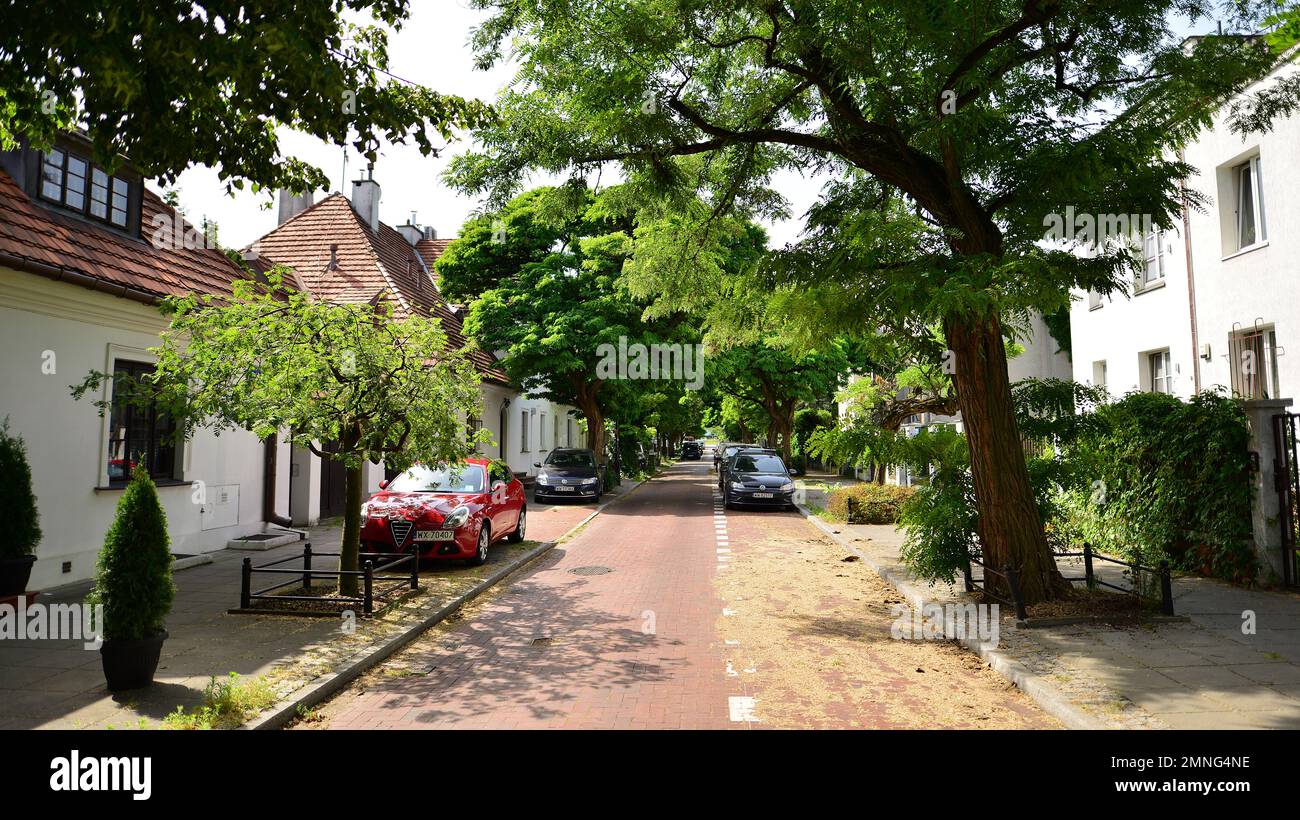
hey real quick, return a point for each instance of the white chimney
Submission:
(365, 199)
(292, 204)
(411, 231)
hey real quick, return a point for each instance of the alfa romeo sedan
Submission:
(446, 511)
(568, 473)
(758, 479)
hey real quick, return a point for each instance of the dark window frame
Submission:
(159, 430)
(86, 192)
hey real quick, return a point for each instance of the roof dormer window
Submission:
(74, 183)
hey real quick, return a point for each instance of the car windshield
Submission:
(759, 464)
(571, 460)
(460, 478)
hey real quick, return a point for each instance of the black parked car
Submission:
(692, 450)
(758, 479)
(568, 473)
(729, 458)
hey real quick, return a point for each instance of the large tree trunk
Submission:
(1010, 529)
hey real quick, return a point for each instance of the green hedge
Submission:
(1147, 478)
(1167, 479)
(868, 503)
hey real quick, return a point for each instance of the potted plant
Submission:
(133, 584)
(19, 521)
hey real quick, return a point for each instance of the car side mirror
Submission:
(383, 484)
(537, 463)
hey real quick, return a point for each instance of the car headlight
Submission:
(736, 485)
(456, 518)
(591, 480)
(787, 487)
(543, 477)
(365, 512)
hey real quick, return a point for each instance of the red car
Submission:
(446, 512)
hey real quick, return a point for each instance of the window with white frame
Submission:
(1094, 300)
(1248, 185)
(1153, 260)
(523, 431)
(1160, 372)
(1252, 358)
(541, 433)
(1099, 373)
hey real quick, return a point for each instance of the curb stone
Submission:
(1039, 690)
(315, 693)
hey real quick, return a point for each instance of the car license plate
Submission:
(435, 535)
(763, 495)
(566, 489)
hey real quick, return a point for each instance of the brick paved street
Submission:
(664, 612)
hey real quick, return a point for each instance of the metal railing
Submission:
(1016, 600)
(371, 563)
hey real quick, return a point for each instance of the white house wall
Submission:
(1232, 289)
(67, 440)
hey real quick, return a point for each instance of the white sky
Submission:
(432, 49)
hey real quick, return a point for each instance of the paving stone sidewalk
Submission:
(60, 683)
(1204, 674)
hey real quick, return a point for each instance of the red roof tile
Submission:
(367, 264)
(38, 238)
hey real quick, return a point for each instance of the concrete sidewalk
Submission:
(60, 684)
(1205, 674)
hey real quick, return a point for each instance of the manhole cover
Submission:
(590, 570)
(543, 641)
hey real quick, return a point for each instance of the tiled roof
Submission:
(367, 264)
(431, 249)
(44, 240)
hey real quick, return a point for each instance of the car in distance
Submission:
(758, 479)
(568, 473)
(446, 511)
(692, 450)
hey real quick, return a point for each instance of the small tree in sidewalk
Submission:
(133, 581)
(270, 359)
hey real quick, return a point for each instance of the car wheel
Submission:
(484, 541)
(518, 535)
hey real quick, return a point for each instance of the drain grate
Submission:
(543, 641)
(593, 570)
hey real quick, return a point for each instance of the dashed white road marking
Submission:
(742, 709)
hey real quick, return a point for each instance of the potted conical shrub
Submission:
(19, 520)
(133, 584)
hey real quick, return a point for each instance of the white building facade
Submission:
(1217, 304)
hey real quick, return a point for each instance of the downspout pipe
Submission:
(1191, 286)
(270, 450)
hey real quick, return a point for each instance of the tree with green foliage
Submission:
(133, 581)
(778, 382)
(953, 133)
(541, 277)
(20, 521)
(270, 359)
(170, 84)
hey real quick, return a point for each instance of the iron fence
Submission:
(303, 577)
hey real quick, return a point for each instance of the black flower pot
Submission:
(130, 664)
(14, 573)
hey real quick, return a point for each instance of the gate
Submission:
(1286, 475)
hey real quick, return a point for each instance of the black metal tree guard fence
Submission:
(1016, 600)
(371, 563)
